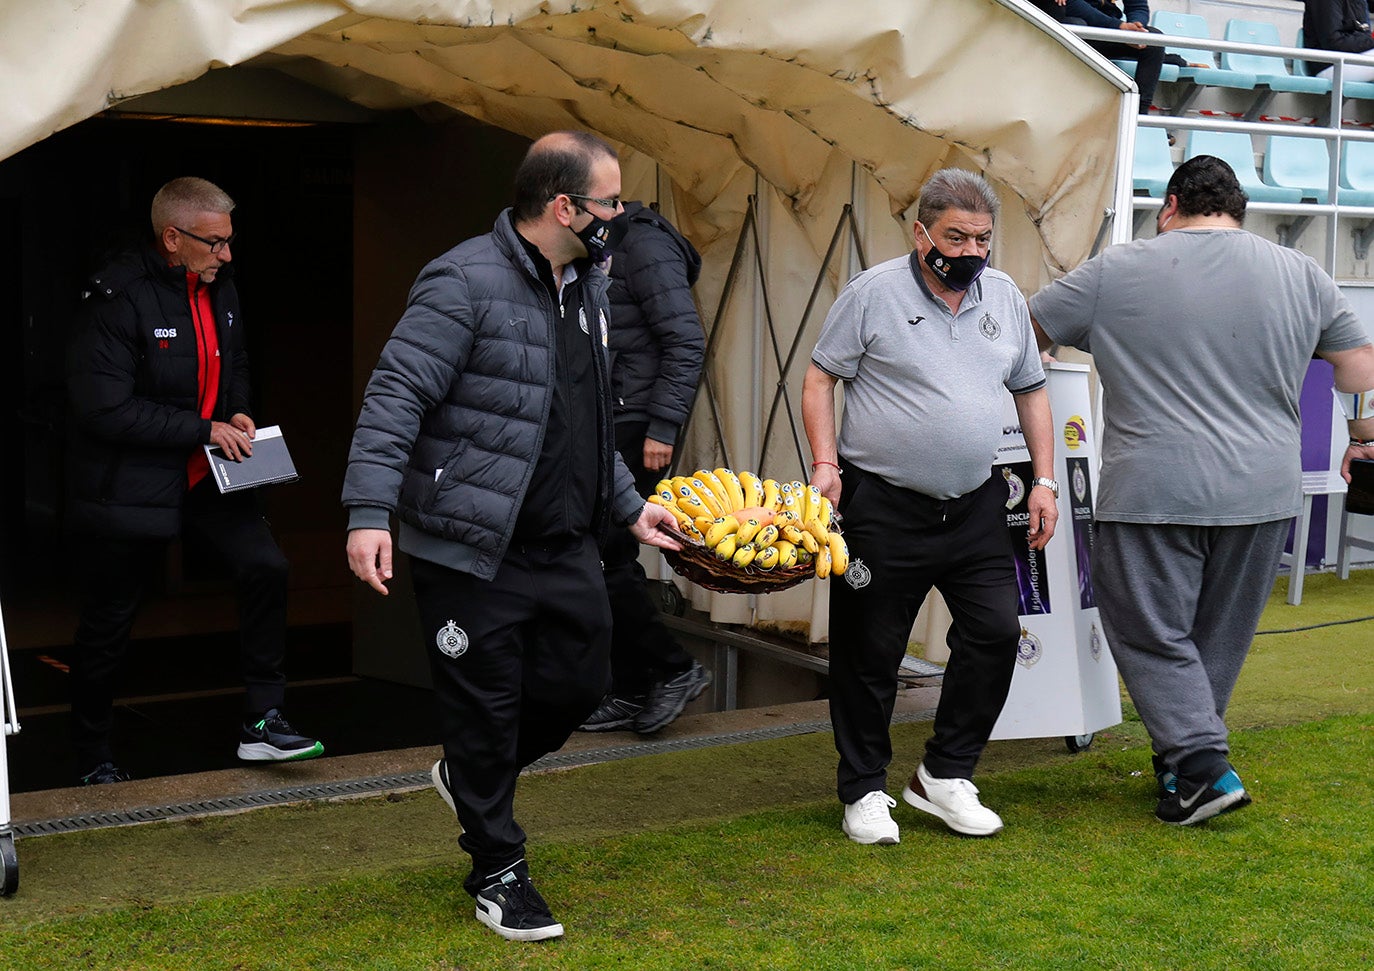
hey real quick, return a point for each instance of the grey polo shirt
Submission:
(1202, 338)
(924, 387)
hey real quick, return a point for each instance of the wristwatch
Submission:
(1049, 484)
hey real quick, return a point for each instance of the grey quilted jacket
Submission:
(453, 417)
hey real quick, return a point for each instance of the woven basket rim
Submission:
(699, 565)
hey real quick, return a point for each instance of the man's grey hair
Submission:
(182, 200)
(956, 189)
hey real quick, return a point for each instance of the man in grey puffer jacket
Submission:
(486, 428)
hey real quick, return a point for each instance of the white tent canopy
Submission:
(803, 106)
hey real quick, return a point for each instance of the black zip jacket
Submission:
(133, 387)
(657, 343)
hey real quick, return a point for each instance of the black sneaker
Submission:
(272, 739)
(104, 774)
(611, 714)
(668, 698)
(440, 776)
(1196, 802)
(512, 907)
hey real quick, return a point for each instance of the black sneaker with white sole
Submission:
(272, 739)
(611, 714)
(1196, 802)
(511, 907)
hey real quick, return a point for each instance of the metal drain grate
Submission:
(411, 781)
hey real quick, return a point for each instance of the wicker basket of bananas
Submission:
(744, 534)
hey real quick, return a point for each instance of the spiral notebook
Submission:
(270, 463)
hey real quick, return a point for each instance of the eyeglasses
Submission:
(215, 244)
(612, 203)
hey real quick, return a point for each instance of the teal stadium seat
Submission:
(1235, 150)
(1192, 25)
(1268, 70)
(1167, 72)
(1298, 163)
(1357, 170)
(1353, 89)
(1153, 164)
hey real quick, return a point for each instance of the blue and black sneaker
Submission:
(1196, 802)
(1168, 783)
(272, 739)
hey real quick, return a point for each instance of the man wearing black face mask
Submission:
(927, 345)
(486, 429)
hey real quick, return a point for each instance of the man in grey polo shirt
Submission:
(927, 346)
(1202, 337)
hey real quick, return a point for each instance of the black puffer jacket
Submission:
(453, 418)
(1335, 25)
(133, 387)
(657, 344)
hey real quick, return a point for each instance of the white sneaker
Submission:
(868, 820)
(953, 800)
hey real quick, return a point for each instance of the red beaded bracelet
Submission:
(831, 464)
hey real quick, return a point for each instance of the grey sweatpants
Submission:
(1179, 606)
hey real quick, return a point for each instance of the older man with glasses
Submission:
(157, 369)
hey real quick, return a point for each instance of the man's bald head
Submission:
(560, 161)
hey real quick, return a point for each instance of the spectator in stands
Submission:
(1202, 336)
(1108, 16)
(657, 348)
(1337, 25)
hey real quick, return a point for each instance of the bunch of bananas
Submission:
(756, 524)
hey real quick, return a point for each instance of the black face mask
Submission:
(955, 272)
(603, 236)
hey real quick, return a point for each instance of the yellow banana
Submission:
(717, 487)
(812, 505)
(683, 488)
(792, 504)
(721, 528)
(827, 516)
(703, 523)
(664, 485)
(766, 536)
(809, 543)
(744, 555)
(752, 487)
(693, 532)
(823, 564)
(770, 495)
(683, 520)
(839, 553)
(793, 533)
(803, 557)
(748, 530)
(725, 549)
(693, 506)
(787, 554)
(732, 486)
(707, 496)
(816, 529)
(767, 558)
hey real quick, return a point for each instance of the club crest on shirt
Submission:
(1029, 650)
(1095, 643)
(582, 321)
(858, 575)
(989, 327)
(452, 640)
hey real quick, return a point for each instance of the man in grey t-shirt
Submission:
(927, 346)
(1202, 337)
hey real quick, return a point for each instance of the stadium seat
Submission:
(1167, 72)
(1153, 163)
(1235, 150)
(1357, 168)
(1267, 69)
(1353, 89)
(1299, 163)
(1192, 25)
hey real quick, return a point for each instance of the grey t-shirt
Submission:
(1201, 339)
(924, 387)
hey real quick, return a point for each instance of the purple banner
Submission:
(1081, 509)
(1032, 578)
(1315, 406)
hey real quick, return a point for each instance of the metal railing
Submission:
(1332, 132)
